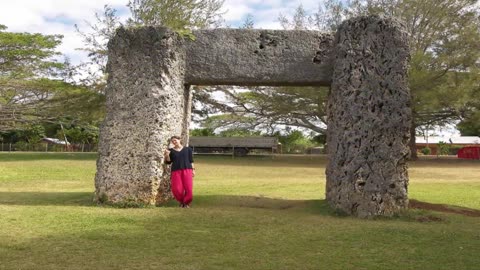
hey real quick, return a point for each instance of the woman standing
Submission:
(183, 171)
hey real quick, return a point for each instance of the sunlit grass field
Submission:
(248, 213)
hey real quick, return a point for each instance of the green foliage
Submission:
(178, 15)
(79, 134)
(426, 150)
(443, 148)
(34, 88)
(239, 132)
(444, 37)
(25, 62)
(470, 126)
(202, 132)
(25, 55)
(264, 107)
(294, 141)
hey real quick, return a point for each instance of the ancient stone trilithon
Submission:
(369, 119)
(365, 62)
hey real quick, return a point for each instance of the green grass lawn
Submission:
(248, 213)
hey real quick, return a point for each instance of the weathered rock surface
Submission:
(369, 118)
(148, 101)
(145, 101)
(259, 57)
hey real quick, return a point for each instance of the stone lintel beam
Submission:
(369, 118)
(259, 57)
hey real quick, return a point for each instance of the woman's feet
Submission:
(182, 205)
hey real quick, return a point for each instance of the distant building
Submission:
(55, 141)
(455, 142)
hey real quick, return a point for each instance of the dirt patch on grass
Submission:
(428, 218)
(444, 208)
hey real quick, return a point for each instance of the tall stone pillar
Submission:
(145, 103)
(369, 118)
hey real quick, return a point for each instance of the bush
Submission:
(443, 148)
(21, 146)
(426, 151)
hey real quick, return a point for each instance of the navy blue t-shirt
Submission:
(182, 159)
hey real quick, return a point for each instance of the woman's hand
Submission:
(166, 155)
(193, 172)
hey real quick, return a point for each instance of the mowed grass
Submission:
(248, 213)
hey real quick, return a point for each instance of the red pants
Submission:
(182, 185)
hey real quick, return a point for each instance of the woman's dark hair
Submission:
(175, 137)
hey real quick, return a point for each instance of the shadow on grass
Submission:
(220, 201)
(201, 201)
(47, 198)
(257, 202)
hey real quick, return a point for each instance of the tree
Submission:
(444, 42)
(25, 68)
(180, 15)
(95, 41)
(248, 23)
(36, 89)
(264, 108)
(202, 132)
(294, 141)
(470, 127)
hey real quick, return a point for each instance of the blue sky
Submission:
(60, 16)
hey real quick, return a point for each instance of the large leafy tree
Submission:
(35, 88)
(444, 42)
(25, 64)
(262, 108)
(445, 48)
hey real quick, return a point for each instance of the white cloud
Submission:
(59, 16)
(54, 17)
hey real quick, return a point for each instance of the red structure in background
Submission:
(469, 152)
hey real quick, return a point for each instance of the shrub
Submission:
(426, 151)
(443, 148)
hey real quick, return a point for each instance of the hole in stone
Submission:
(256, 51)
(391, 186)
(317, 60)
(261, 46)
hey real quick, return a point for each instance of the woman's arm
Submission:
(190, 156)
(166, 155)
